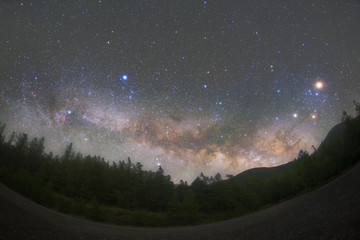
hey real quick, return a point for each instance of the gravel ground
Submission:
(330, 212)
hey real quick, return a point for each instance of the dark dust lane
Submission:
(330, 212)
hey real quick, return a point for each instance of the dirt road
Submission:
(330, 212)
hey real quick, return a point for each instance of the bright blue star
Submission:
(205, 86)
(124, 77)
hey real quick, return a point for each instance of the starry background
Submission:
(193, 86)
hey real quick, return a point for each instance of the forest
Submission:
(124, 193)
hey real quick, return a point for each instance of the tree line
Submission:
(123, 192)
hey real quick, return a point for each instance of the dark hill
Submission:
(335, 137)
(263, 173)
(336, 133)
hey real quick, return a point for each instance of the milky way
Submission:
(193, 86)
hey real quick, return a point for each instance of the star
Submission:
(319, 84)
(124, 77)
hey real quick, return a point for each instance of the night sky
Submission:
(193, 86)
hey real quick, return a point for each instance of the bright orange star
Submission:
(319, 84)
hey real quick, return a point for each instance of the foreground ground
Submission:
(330, 212)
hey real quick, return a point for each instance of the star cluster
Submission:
(193, 86)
